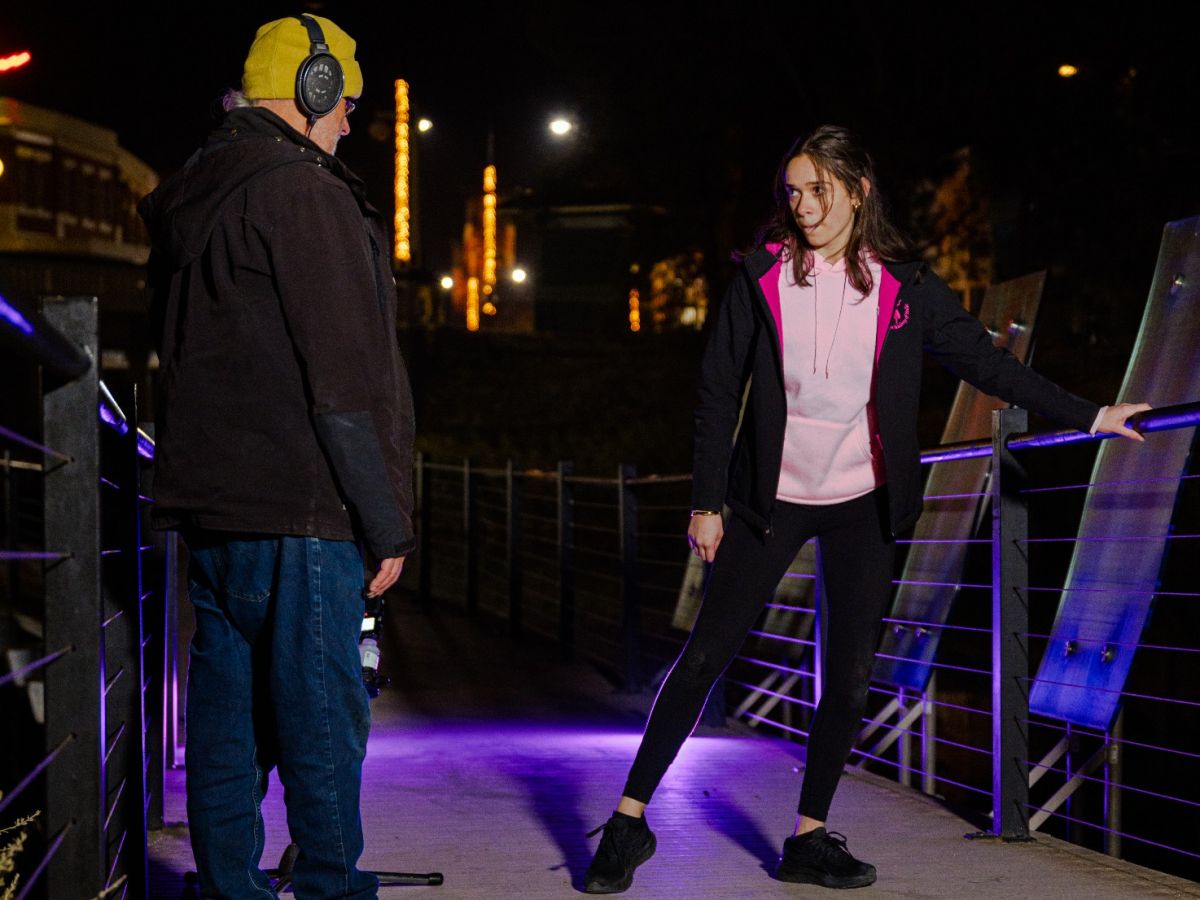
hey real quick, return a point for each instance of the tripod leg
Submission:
(287, 862)
(430, 879)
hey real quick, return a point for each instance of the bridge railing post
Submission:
(1010, 625)
(470, 513)
(631, 625)
(424, 498)
(512, 482)
(566, 560)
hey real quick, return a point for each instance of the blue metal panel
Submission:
(935, 569)
(1127, 514)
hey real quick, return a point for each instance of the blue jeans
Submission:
(275, 680)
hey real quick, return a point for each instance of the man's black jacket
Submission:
(926, 316)
(285, 407)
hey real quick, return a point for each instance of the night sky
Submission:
(690, 105)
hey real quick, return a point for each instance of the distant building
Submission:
(575, 268)
(69, 224)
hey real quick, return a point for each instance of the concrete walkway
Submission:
(490, 763)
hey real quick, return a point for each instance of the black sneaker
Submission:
(627, 843)
(820, 857)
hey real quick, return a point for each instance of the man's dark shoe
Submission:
(820, 857)
(626, 844)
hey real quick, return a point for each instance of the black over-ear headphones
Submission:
(319, 80)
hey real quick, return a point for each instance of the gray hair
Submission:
(235, 99)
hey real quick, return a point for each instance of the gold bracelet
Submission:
(704, 512)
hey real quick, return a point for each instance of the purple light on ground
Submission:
(393, 742)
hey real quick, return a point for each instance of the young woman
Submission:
(828, 319)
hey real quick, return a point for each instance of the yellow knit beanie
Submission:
(278, 49)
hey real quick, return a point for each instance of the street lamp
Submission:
(561, 127)
(424, 125)
(519, 275)
(447, 282)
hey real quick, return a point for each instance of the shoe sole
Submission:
(824, 879)
(623, 885)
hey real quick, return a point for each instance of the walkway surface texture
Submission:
(489, 762)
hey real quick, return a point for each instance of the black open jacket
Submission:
(285, 406)
(744, 344)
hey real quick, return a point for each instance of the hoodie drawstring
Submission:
(836, 324)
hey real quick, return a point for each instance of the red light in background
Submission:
(14, 61)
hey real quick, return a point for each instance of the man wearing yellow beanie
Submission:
(269, 77)
(285, 435)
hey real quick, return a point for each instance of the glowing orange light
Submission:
(489, 308)
(635, 310)
(1067, 70)
(489, 229)
(14, 61)
(472, 304)
(403, 220)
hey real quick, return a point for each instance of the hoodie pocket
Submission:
(862, 436)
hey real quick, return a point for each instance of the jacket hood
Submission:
(181, 213)
(759, 263)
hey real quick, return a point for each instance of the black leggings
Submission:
(856, 555)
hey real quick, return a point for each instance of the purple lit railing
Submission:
(113, 416)
(596, 564)
(1184, 415)
(30, 443)
(107, 731)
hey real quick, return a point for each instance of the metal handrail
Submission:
(1182, 415)
(607, 598)
(32, 337)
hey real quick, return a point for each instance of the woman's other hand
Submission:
(1113, 420)
(704, 534)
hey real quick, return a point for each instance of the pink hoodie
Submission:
(827, 334)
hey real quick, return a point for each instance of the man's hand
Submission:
(389, 571)
(704, 534)
(1113, 420)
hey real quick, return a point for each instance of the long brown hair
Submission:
(835, 152)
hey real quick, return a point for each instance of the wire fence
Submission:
(88, 607)
(600, 566)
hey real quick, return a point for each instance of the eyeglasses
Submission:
(351, 103)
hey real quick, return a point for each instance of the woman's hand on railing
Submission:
(1113, 420)
(704, 534)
